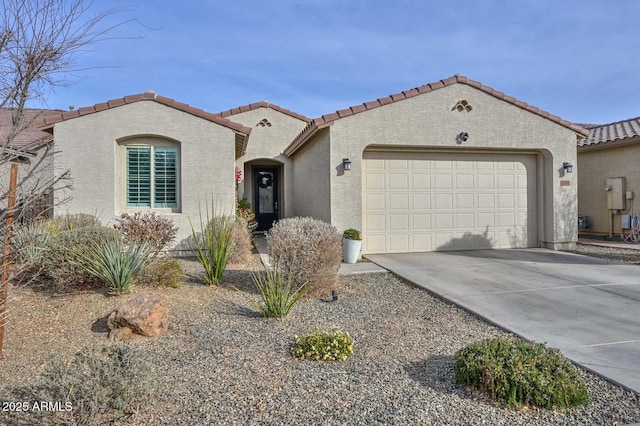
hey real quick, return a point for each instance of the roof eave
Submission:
(307, 134)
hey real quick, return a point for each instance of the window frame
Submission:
(150, 143)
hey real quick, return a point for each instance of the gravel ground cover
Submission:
(221, 363)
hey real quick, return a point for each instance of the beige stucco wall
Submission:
(595, 167)
(429, 121)
(312, 170)
(266, 147)
(88, 147)
(34, 177)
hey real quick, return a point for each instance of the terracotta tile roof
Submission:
(147, 96)
(621, 131)
(326, 120)
(31, 137)
(263, 104)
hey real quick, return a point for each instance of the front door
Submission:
(265, 196)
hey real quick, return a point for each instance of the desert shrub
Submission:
(213, 244)
(307, 249)
(29, 242)
(162, 272)
(60, 260)
(148, 228)
(520, 373)
(279, 295)
(70, 222)
(115, 263)
(240, 243)
(97, 387)
(324, 346)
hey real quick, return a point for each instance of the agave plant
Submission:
(279, 293)
(116, 263)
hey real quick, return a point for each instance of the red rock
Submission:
(146, 315)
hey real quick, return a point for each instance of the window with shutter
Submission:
(152, 176)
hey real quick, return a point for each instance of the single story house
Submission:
(449, 165)
(609, 181)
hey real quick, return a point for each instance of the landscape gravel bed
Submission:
(221, 363)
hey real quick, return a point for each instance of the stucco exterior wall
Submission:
(312, 171)
(430, 121)
(595, 167)
(33, 177)
(89, 147)
(268, 143)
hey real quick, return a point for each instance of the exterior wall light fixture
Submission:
(568, 167)
(346, 164)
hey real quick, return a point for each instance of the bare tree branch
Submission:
(40, 41)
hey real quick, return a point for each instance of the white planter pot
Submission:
(351, 250)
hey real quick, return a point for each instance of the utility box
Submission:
(625, 221)
(616, 193)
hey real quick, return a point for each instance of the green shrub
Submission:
(351, 234)
(61, 259)
(308, 250)
(520, 373)
(213, 244)
(28, 244)
(116, 263)
(99, 387)
(324, 346)
(149, 228)
(279, 295)
(162, 272)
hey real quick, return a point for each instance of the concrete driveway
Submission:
(587, 307)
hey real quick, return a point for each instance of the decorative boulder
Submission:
(146, 315)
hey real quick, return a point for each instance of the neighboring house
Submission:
(31, 148)
(446, 166)
(608, 153)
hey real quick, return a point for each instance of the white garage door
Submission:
(419, 201)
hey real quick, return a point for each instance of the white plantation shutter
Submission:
(152, 177)
(165, 178)
(138, 177)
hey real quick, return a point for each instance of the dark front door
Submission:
(265, 196)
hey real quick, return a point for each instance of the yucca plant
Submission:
(279, 294)
(213, 245)
(115, 263)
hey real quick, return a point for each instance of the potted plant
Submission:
(351, 245)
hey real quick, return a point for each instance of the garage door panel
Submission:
(485, 219)
(465, 221)
(442, 201)
(486, 201)
(374, 181)
(465, 201)
(421, 221)
(375, 201)
(398, 181)
(375, 223)
(399, 222)
(420, 201)
(399, 242)
(465, 181)
(447, 201)
(399, 201)
(420, 181)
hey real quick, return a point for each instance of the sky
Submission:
(579, 59)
